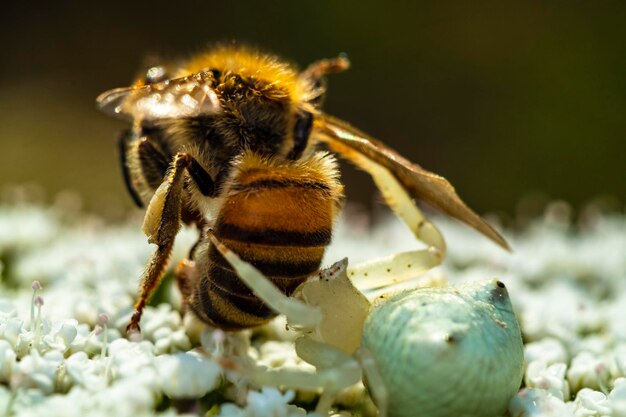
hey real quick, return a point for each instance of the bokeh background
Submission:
(505, 99)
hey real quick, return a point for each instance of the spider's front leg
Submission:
(298, 313)
(336, 369)
(405, 265)
(162, 222)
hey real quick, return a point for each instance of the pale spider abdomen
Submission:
(447, 351)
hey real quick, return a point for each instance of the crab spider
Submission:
(447, 350)
(396, 343)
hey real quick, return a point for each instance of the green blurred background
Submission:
(505, 99)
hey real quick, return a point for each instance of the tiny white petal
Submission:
(618, 398)
(589, 401)
(587, 371)
(550, 378)
(7, 309)
(186, 375)
(549, 350)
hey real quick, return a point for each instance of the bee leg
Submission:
(201, 237)
(124, 142)
(153, 162)
(405, 265)
(149, 283)
(316, 72)
(161, 224)
(319, 69)
(186, 277)
(144, 165)
(297, 312)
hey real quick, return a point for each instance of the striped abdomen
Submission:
(278, 217)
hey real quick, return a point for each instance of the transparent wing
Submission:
(189, 96)
(420, 183)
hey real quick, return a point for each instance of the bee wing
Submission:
(189, 96)
(432, 188)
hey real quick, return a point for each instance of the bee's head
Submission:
(260, 116)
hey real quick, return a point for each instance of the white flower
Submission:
(10, 330)
(558, 281)
(270, 402)
(618, 398)
(187, 375)
(85, 373)
(275, 354)
(534, 402)
(550, 378)
(23, 226)
(231, 410)
(618, 363)
(7, 308)
(133, 360)
(155, 319)
(61, 335)
(127, 397)
(167, 340)
(35, 371)
(548, 350)
(591, 403)
(26, 399)
(5, 400)
(85, 340)
(587, 371)
(7, 361)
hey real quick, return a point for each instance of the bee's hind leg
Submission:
(162, 222)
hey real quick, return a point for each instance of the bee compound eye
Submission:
(301, 132)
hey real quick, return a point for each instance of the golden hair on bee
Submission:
(269, 75)
(279, 216)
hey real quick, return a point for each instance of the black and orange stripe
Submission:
(279, 219)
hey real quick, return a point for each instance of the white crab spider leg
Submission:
(405, 265)
(297, 313)
(332, 310)
(336, 368)
(375, 383)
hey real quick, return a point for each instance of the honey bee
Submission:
(228, 139)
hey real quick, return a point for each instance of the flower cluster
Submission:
(67, 289)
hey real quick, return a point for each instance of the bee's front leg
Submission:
(161, 224)
(316, 72)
